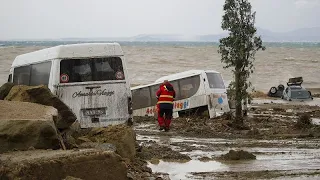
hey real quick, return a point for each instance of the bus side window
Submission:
(10, 78)
(141, 98)
(175, 85)
(21, 75)
(153, 90)
(40, 74)
(189, 86)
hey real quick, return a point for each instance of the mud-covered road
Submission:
(283, 148)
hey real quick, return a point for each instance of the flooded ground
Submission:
(203, 153)
(282, 151)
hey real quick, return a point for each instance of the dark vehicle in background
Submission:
(276, 92)
(293, 91)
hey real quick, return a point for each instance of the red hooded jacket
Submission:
(166, 95)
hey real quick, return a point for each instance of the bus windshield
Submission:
(91, 69)
(215, 80)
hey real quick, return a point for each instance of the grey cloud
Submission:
(118, 18)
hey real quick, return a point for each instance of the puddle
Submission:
(289, 110)
(183, 170)
(274, 159)
(314, 102)
(204, 142)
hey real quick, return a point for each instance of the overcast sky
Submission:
(121, 18)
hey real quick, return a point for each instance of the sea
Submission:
(148, 61)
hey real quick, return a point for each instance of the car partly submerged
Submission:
(293, 91)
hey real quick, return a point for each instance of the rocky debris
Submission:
(24, 125)
(237, 155)
(5, 89)
(42, 95)
(121, 136)
(138, 169)
(205, 159)
(58, 164)
(304, 121)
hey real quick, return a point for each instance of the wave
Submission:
(289, 59)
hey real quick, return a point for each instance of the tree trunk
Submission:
(238, 98)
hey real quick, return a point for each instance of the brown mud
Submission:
(266, 121)
(276, 141)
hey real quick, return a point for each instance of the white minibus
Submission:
(91, 78)
(196, 92)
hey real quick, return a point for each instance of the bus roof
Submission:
(175, 77)
(144, 85)
(184, 75)
(69, 51)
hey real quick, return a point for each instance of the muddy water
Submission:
(147, 63)
(268, 158)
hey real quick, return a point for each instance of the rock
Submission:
(42, 95)
(154, 161)
(24, 125)
(106, 147)
(122, 136)
(69, 141)
(59, 164)
(238, 155)
(18, 93)
(205, 159)
(5, 89)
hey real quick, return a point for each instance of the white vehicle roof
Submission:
(184, 75)
(175, 77)
(69, 51)
(144, 85)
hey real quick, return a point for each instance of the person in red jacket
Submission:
(165, 96)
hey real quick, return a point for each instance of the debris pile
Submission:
(42, 95)
(304, 121)
(59, 164)
(237, 155)
(34, 124)
(26, 125)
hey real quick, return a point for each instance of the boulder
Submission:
(237, 155)
(122, 136)
(42, 95)
(24, 125)
(5, 89)
(59, 164)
